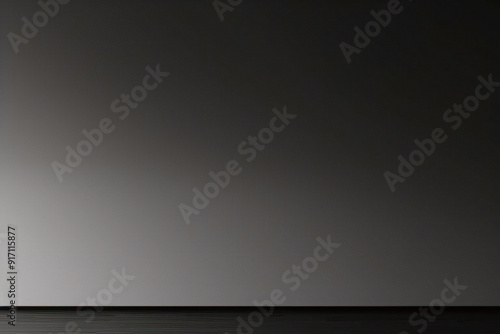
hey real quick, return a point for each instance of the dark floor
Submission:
(221, 320)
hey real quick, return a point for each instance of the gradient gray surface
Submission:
(322, 175)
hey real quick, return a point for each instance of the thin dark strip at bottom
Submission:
(244, 320)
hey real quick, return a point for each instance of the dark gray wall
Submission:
(322, 175)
